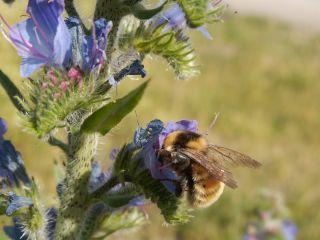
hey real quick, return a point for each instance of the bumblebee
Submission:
(203, 169)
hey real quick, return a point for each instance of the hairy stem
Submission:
(70, 8)
(58, 143)
(106, 187)
(112, 40)
(74, 198)
(72, 12)
(72, 222)
(93, 219)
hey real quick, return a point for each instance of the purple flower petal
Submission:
(165, 175)
(114, 153)
(88, 52)
(17, 202)
(205, 32)
(15, 232)
(3, 128)
(137, 201)
(42, 39)
(151, 140)
(174, 18)
(12, 166)
(12, 169)
(98, 177)
(183, 125)
(51, 221)
(94, 46)
(289, 230)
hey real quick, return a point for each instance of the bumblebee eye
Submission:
(181, 158)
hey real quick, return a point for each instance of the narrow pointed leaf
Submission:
(140, 12)
(12, 91)
(8, 1)
(107, 117)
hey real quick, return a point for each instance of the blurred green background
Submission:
(262, 76)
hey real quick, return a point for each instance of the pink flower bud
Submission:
(44, 86)
(56, 95)
(80, 83)
(74, 74)
(64, 86)
(52, 76)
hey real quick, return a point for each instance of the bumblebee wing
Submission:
(214, 167)
(231, 158)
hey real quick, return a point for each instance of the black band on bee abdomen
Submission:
(184, 138)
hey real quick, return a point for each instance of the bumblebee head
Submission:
(175, 160)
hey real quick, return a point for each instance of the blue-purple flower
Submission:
(272, 221)
(12, 170)
(14, 202)
(114, 153)
(95, 46)
(43, 38)
(3, 129)
(88, 52)
(175, 19)
(15, 232)
(152, 139)
(97, 178)
(289, 230)
(51, 221)
(183, 125)
(137, 201)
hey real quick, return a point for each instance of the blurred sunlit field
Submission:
(263, 78)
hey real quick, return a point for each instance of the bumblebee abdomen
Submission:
(205, 189)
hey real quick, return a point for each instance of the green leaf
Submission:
(107, 117)
(177, 51)
(141, 13)
(12, 91)
(8, 1)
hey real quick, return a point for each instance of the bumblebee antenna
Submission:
(213, 123)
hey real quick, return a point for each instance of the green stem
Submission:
(93, 219)
(72, 222)
(58, 143)
(112, 40)
(74, 200)
(114, 180)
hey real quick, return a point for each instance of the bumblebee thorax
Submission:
(185, 139)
